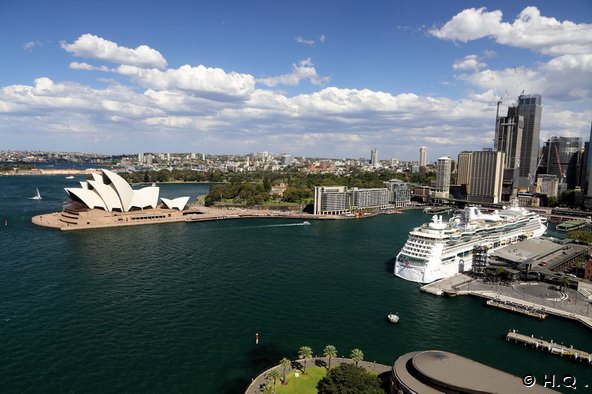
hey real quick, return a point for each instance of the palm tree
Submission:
(267, 389)
(305, 353)
(330, 352)
(275, 375)
(285, 364)
(357, 355)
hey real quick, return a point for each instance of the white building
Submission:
(443, 171)
(330, 200)
(423, 156)
(110, 192)
(399, 193)
(374, 157)
(338, 200)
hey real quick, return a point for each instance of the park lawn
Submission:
(303, 384)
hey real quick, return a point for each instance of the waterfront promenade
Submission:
(544, 297)
(259, 382)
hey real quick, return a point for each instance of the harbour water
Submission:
(175, 307)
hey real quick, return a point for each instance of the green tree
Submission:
(582, 236)
(285, 364)
(330, 352)
(348, 378)
(357, 355)
(563, 282)
(267, 389)
(305, 354)
(275, 375)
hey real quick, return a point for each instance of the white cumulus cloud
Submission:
(215, 83)
(94, 47)
(304, 70)
(469, 62)
(529, 30)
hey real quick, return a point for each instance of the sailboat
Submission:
(38, 196)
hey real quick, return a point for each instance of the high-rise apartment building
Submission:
(530, 108)
(443, 171)
(338, 200)
(399, 193)
(463, 174)
(423, 156)
(374, 157)
(330, 200)
(487, 170)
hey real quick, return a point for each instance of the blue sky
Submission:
(324, 79)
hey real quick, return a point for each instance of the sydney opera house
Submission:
(107, 200)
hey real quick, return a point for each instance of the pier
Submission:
(550, 347)
(461, 284)
(518, 308)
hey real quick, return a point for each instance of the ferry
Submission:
(440, 249)
(571, 225)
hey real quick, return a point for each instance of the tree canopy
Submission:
(349, 379)
(582, 236)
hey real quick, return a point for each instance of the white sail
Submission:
(37, 196)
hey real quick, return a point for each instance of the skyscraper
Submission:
(589, 166)
(560, 158)
(443, 171)
(423, 156)
(374, 157)
(487, 168)
(530, 108)
(508, 139)
(465, 162)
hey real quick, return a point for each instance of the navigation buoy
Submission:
(256, 338)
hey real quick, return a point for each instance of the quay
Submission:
(513, 307)
(550, 347)
(461, 284)
(586, 320)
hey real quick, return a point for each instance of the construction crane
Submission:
(561, 174)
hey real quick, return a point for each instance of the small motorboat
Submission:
(70, 177)
(393, 318)
(306, 223)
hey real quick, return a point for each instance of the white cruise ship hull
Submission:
(438, 250)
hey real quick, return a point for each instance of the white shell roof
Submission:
(146, 197)
(111, 192)
(107, 194)
(178, 203)
(123, 189)
(89, 197)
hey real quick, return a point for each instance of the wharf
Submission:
(586, 320)
(513, 307)
(447, 285)
(461, 284)
(551, 347)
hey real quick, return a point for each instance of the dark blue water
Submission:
(175, 307)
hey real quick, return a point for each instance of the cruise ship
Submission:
(440, 249)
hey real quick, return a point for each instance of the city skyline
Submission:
(322, 80)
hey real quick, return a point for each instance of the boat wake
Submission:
(273, 225)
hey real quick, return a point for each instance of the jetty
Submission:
(550, 347)
(518, 308)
